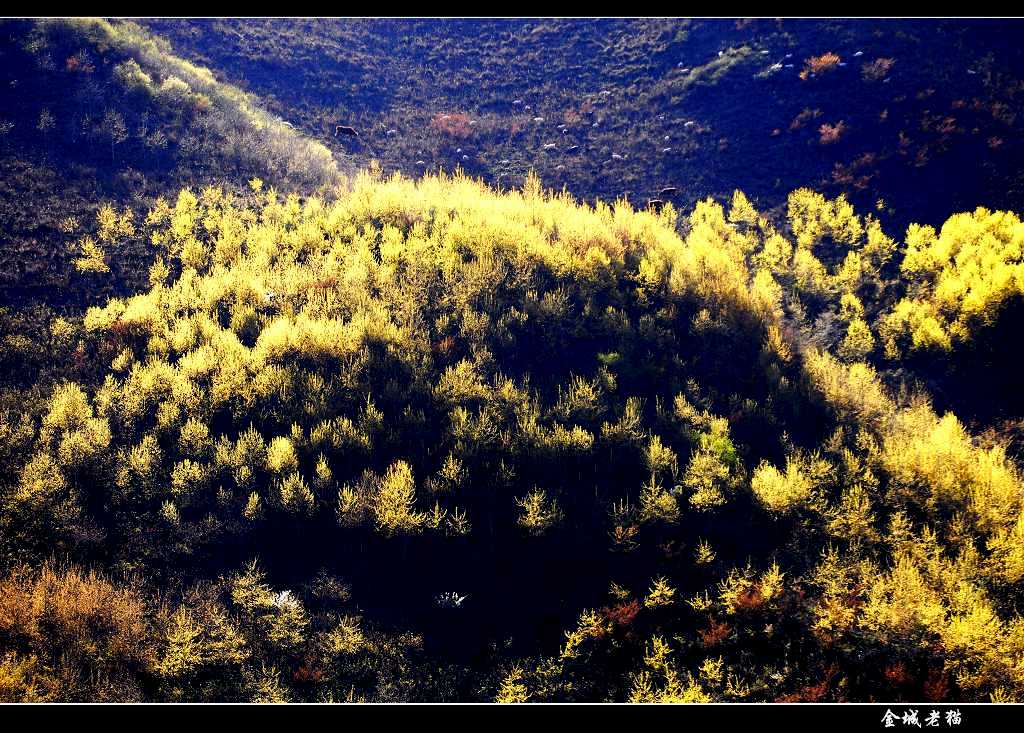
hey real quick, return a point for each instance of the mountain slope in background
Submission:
(917, 117)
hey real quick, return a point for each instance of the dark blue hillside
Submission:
(610, 108)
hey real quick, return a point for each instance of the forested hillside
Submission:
(273, 429)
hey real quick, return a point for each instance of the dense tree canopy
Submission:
(430, 441)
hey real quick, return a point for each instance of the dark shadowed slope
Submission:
(919, 117)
